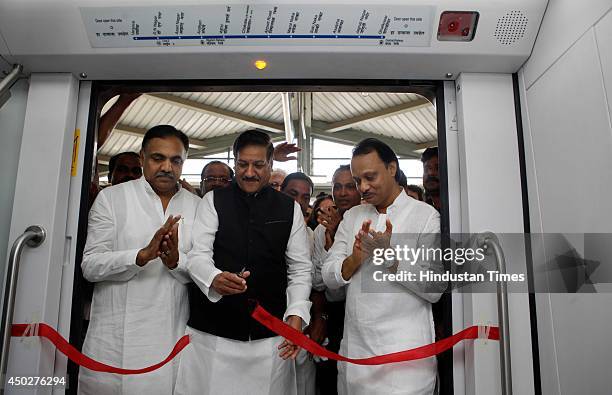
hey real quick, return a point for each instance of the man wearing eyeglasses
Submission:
(215, 175)
(249, 243)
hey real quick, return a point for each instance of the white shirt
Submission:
(202, 270)
(319, 255)
(390, 316)
(138, 313)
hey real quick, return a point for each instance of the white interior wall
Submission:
(12, 115)
(567, 110)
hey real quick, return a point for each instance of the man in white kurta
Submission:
(300, 188)
(383, 317)
(138, 312)
(250, 244)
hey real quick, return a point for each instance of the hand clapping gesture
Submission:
(366, 241)
(369, 240)
(330, 218)
(167, 234)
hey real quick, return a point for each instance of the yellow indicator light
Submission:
(261, 64)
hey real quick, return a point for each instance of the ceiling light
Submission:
(260, 64)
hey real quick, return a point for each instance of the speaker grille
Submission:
(511, 27)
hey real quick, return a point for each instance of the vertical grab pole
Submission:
(32, 237)
(488, 241)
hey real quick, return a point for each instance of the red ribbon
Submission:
(75, 356)
(270, 322)
(289, 333)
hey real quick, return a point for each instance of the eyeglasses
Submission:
(222, 180)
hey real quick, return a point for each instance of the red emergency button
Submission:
(457, 25)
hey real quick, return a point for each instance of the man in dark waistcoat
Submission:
(249, 243)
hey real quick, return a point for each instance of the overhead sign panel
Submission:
(259, 24)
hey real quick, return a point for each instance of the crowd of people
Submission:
(168, 259)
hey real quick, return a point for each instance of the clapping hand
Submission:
(370, 240)
(168, 252)
(152, 250)
(330, 218)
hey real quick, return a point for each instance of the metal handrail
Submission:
(32, 237)
(10, 78)
(486, 240)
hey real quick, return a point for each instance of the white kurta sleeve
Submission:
(200, 264)
(299, 266)
(343, 242)
(319, 254)
(189, 205)
(100, 260)
(180, 272)
(429, 237)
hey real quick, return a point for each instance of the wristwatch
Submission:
(324, 316)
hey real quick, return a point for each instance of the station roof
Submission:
(212, 120)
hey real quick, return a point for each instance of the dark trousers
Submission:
(327, 371)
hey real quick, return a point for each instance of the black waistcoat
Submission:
(253, 234)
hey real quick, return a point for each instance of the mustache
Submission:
(165, 174)
(250, 179)
(432, 178)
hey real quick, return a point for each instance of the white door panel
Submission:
(491, 200)
(41, 198)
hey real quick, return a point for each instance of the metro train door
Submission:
(492, 190)
(47, 194)
(59, 115)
